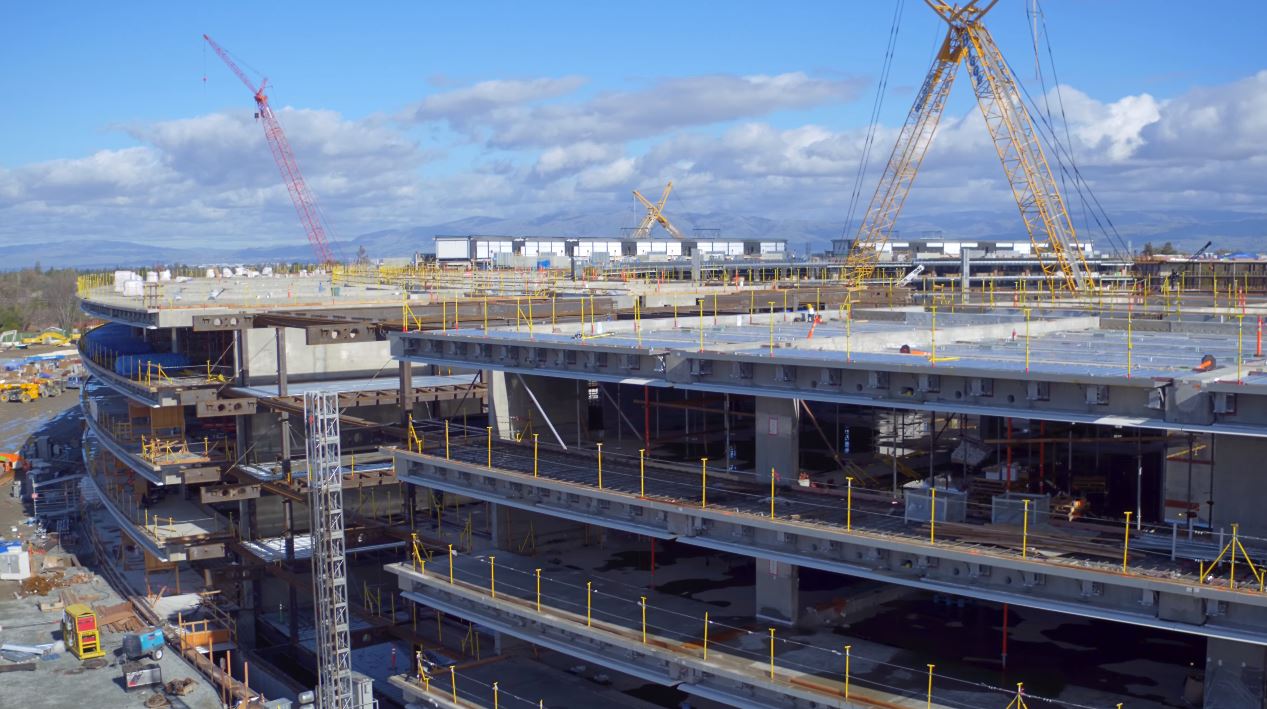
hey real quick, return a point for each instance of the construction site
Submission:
(660, 469)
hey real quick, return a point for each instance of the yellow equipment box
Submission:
(80, 632)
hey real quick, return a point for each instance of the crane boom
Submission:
(899, 174)
(655, 215)
(1012, 132)
(303, 199)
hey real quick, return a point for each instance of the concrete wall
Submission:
(1239, 486)
(304, 362)
(512, 411)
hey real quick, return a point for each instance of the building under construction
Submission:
(780, 493)
(548, 471)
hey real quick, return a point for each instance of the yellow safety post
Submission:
(705, 635)
(848, 331)
(932, 356)
(589, 603)
(485, 316)
(457, 320)
(703, 482)
(538, 589)
(771, 653)
(847, 655)
(932, 514)
(530, 335)
(1126, 542)
(701, 324)
(495, 705)
(490, 446)
(453, 682)
(849, 504)
(446, 439)
(444, 314)
(450, 563)
(771, 302)
(600, 465)
(1240, 340)
(1130, 345)
(492, 577)
(1018, 702)
(771, 493)
(1025, 533)
(644, 619)
(1027, 312)
(535, 436)
(930, 686)
(642, 472)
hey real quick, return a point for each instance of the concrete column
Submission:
(556, 409)
(778, 591)
(777, 438)
(282, 391)
(406, 391)
(1234, 675)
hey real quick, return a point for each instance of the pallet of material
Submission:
(119, 618)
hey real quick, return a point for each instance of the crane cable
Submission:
(877, 104)
(1063, 152)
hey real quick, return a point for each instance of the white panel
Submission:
(735, 248)
(452, 249)
(659, 247)
(675, 248)
(481, 249)
(643, 248)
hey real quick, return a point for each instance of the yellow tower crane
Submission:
(1042, 208)
(655, 215)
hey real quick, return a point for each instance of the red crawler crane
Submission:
(305, 202)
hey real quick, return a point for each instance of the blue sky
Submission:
(86, 80)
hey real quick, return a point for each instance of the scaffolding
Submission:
(329, 562)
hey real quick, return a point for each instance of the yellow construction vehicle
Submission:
(50, 336)
(24, 392)
(80, 632)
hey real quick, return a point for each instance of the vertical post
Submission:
(453, 682)
(930, 686)
(1025, 533)
(492, 576)
(600, 465)
(589, 603)
(932, 355)
(771, 653)
(450, 564)
(1126, 542)
(703, 480)
(705, 635)
(1027, 314)
(495, 704)
(490, 446)
(771, 493)
(849, 504)
(535, 436)
(847, 654)
(446, 440)
(771, 302)
(642, 472)
(932, 514)
(538, 589)
(644, 620)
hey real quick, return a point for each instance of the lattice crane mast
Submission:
(305, 202)
(655, 215)
(1011, 128)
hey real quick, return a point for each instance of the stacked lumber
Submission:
(119, 618)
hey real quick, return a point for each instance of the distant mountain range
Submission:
(1186, 230)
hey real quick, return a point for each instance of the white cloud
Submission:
(510, 115)
(537, 148)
